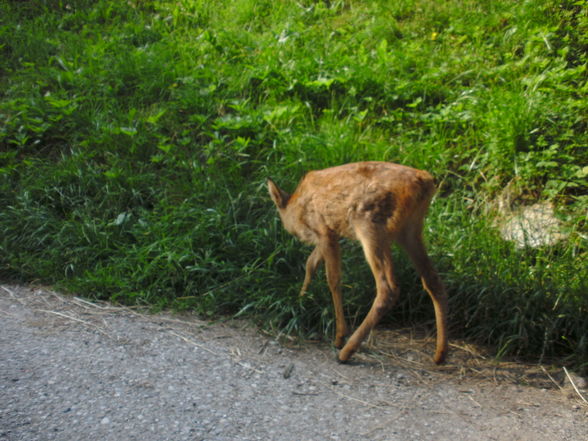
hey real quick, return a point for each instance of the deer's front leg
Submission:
(330, 251)
(312, 263)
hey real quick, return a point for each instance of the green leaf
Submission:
(153, 119)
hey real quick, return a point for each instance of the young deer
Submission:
(374, 203)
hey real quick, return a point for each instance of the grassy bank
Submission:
(135, 139)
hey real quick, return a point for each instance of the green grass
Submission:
(136, 137)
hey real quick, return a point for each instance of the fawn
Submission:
(374, 203)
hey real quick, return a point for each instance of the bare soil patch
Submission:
(74, 369)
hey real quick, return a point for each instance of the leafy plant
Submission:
(136, 137)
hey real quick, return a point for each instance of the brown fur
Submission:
(375, 203)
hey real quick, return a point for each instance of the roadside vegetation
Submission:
(136, 137)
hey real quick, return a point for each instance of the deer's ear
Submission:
(279, 197)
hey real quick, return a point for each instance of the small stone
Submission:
(288, 371)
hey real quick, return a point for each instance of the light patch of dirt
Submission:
(532, 226)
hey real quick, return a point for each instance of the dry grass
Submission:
(411, 349)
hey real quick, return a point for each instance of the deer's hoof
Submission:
(341, 361)
(440, 357)
(339, 342)
(344, 355)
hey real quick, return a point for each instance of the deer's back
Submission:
(380, 192)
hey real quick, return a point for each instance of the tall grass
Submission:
(135, 139)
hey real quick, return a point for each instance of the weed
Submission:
(135, 139)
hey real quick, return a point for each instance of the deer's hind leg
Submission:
(412, 242)
(376, 246)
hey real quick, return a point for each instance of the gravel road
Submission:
(75, 370)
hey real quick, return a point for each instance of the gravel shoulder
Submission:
(74, 370)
